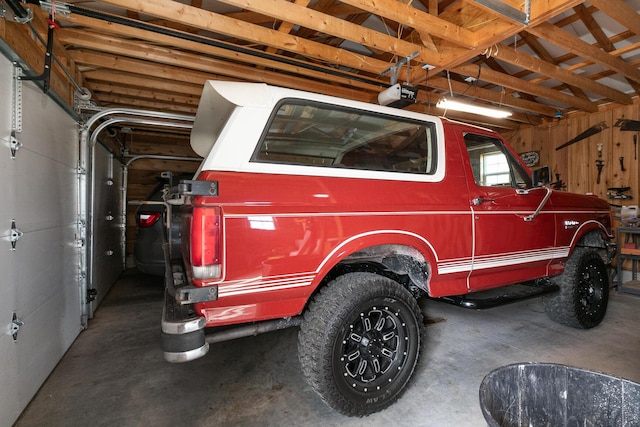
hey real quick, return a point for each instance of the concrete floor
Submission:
(114, 374)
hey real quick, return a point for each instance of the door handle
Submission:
(480, 200)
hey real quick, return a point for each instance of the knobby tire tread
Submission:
(326, 315)
(562, 306)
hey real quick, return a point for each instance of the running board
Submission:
(500, 296)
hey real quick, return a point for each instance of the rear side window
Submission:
(315, 134)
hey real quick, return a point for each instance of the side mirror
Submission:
(541, 176)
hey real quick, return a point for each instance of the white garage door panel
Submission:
(107, 221)
(7, 195)
(46, 267)
(7, 166)
(54, 183)
(53, 134)
(43, 340)
(9, 408)
(39, 280)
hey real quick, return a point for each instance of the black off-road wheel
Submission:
(582, 299)
(359, 342)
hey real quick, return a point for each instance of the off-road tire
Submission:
(359, 342)
(582, 299)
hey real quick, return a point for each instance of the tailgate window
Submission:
(316, 134)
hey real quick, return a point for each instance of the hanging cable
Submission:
(426, 86)
(475, 82)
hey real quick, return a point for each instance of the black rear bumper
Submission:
(182, 329)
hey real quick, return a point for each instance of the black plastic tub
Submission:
(546, 394)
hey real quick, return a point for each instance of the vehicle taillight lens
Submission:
(205, 240)
(147, 219)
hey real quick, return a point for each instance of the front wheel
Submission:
(582, 299)
(359, 342)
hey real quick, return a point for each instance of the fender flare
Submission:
(586, 228)
(423, 248)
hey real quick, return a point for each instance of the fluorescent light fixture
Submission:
(449, 104)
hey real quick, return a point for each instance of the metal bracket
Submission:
(14, 235)
(45, 76)
(394, 70)
(198, 188)
(193, 294)
(509, 11)
(16, 117)
(15, 326)
(14, 145)
(18, 13)
(60, 7)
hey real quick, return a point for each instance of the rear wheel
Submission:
(359, 342)
(582, 299)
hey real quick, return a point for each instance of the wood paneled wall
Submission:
(576, 164)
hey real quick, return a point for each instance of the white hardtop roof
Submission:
(220, 98)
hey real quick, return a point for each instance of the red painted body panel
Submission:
(283, 233)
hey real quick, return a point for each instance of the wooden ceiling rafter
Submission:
(312, 45)
(561, 38)
(76, 37)
(217, 23)
(603, 41)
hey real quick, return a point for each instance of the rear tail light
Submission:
(205, 242)
(147, 219)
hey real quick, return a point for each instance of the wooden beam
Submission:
(600, 36)
(286, 27)
(593, 27)
(210, 21)
(621, 12)
(327, 7)
(543, 54)
(415, 18)
(142, 68)
(493, 63)
(576, 66)
(309, 18)
(161, 39)
(542, 11)
(523, 86)
(433, 7)
(559, 37)
(152, 96)
(495, 31)
(143, 82)
(207, 70)
(109, 100)
(515, 57)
